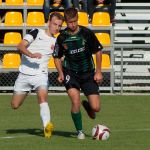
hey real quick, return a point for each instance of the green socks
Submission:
(77, 119)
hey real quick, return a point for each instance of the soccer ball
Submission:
(100, 132)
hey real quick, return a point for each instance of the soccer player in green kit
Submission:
(76, 44)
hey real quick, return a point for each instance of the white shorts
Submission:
(25, 83)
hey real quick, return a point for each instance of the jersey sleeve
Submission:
(94, 44)
(30, 37)
(58, 49)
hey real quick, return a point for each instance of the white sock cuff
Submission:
(43, 104)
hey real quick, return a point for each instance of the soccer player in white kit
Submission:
(36, 48)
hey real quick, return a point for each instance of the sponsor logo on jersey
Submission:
(77, 50)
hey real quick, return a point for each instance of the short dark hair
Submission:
(70, 13)
(56, 14)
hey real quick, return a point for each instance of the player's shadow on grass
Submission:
(37, 132)
(66, 134)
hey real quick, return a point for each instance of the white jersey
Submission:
(39, 42)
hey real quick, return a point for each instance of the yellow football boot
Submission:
(48, 130)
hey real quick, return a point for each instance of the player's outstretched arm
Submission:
(98, 77)
(58, 64)
(22, 47)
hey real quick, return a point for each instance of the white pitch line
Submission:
(12, 137)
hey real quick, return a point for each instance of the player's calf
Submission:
(91, 113)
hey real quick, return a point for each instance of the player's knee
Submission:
(96, 109)
(14, 105)
(42, 100)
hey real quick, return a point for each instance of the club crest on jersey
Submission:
(65, 46)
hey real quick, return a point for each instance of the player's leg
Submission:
(92, 105)
(94, 101)
(42, 94)
(73, 90)
(21, 89)
(44, 111)
(74, 95)
(17, 99)
(91, 91)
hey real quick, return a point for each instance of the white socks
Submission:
(45, 113)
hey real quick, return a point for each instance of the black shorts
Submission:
(84, 81)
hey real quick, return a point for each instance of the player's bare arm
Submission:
(98, 77)
(22, 47)
(58, 64)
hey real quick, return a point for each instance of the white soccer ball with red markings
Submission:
(100, 132)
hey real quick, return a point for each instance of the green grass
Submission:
(128, 118)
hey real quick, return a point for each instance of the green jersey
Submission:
(77, 49)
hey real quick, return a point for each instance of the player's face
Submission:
(100, 1)
(57, 1)
(72, 23)
(55, 25)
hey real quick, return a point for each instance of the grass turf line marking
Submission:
(12, 137)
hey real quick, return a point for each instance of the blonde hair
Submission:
(57, 15)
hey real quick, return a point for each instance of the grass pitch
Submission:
(128, 118)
